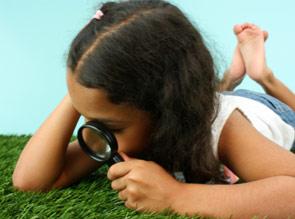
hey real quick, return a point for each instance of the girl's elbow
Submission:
(24, 184)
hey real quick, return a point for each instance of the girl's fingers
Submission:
(122, 195)
(125, 156)
(119, 184)
(122, 168)
(118, 170)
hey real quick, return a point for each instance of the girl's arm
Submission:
(273, 197)
(277, 89)
(268, 169)
(267, 81)
(48, 160)
(227, 83)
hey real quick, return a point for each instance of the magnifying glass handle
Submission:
(115, 159)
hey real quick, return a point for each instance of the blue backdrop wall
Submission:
(36, 34)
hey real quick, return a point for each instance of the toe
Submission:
(247, 25)
(237, 29)
(265, 34)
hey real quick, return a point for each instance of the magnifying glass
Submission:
(99, 143)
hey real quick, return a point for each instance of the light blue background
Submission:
(35, 36)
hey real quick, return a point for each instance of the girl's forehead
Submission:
(87, 100)
(94, 103)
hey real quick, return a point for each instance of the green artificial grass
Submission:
(91, 198)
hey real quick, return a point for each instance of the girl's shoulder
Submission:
(262, 118)
(249, 154)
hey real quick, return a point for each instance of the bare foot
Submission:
(236, 72)
(234, 75)
(251, 44)
(237, 69)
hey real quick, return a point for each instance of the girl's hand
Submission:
(144, 185)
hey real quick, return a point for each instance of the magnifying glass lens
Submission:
(97, 143)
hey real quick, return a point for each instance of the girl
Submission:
(142, 69)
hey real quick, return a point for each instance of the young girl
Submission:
(142, 69)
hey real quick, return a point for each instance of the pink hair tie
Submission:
(98, 14)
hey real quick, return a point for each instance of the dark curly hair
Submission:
(148, 54)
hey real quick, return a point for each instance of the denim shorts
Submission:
(281, 109)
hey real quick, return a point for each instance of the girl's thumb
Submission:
(125, 156)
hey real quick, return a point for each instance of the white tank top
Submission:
(261, 117)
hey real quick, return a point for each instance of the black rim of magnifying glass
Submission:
(103, 131)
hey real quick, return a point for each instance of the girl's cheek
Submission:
(129, 147)
(122, 144)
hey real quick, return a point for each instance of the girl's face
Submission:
(130, 125)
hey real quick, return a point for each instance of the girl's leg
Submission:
(278, 89)
(280, 108)
(251, 44)
(235, 74)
